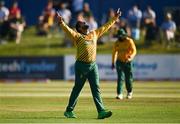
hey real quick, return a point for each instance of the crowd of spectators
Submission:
(11, 23)
(143, 23)
(79, 11)
(136, 23)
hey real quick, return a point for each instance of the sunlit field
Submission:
(40, 102)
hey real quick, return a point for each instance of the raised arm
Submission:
(70, 32)
(100, 31)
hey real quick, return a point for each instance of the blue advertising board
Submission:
(31, 68)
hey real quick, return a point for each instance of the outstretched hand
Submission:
(59, 17)
(118, 13)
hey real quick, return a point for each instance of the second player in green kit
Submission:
(124, 51)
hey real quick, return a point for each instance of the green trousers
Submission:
(124, 72)
(84, 71)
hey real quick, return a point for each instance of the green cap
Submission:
(121, 33)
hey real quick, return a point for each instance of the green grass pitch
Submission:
(153, 102)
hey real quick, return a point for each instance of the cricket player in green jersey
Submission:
(85, 65)
(124, 51)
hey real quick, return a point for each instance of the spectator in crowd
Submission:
(134, 20)
(4, 13)
(76, 8)
(106, 17)
(149, 25)
(80, 17)
(66, 15)
(124, 51)
(86, 10)
(14, 10)
(46, 20)
(123, 24)
(92, 23)
(113, 29)
(169, 28)
(17, 25)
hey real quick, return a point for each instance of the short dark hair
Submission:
(78, 24)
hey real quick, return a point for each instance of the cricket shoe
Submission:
(129, 95)
(69, 114)
(120, 96)
(104, 114)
